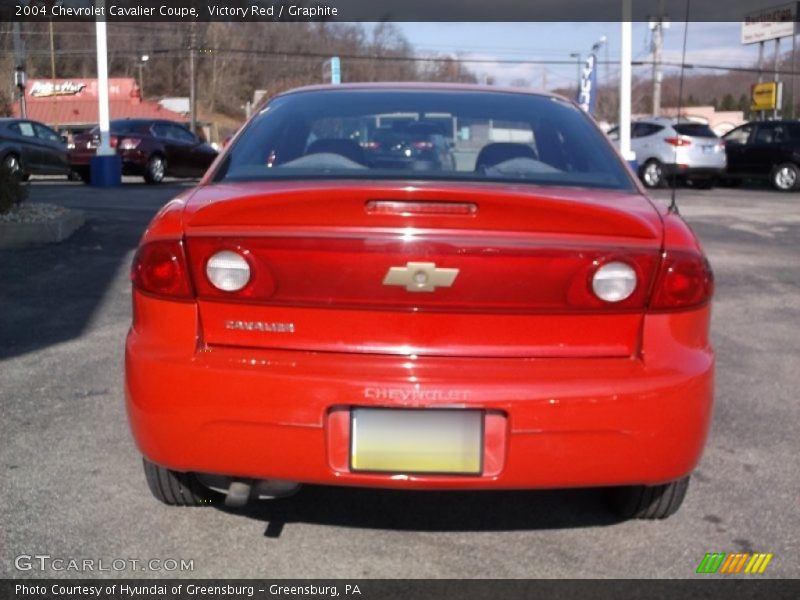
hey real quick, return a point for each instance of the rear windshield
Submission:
(694, 130)
(414, 134)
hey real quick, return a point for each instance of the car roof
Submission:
(422, 86)
(775, 121)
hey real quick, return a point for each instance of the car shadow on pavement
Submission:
(52, 293)
(402, 510)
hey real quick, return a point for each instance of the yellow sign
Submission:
(765, 96)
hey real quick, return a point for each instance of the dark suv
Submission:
(765, 150)
(150, 148)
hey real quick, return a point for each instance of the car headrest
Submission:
(343, 147)
(495, 153)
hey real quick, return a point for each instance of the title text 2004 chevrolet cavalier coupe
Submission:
(519, 315)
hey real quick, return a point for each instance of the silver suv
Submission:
(670, 148)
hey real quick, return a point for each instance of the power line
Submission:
(245, 52)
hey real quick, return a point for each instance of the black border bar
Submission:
(703, 587)
(384, 10)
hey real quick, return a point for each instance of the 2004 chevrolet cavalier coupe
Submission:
(519, 315)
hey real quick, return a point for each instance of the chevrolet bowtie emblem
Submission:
(420, 277)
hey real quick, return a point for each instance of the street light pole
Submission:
(577, 57)
(19, 70)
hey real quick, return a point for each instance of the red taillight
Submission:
(423, 145)
(113, 141)
(129, 143)
(684, 280)
(159, 268)
(678, 141)
(373, 145)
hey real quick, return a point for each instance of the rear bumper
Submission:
(133, 161)
(549, 422)
(694, 172)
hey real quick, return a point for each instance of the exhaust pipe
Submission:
(238, 492)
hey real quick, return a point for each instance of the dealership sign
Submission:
(46, 89)
(766, 96)
(769, 24)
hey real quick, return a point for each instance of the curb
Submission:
(18, 235)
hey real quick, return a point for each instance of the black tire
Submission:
(732, 182)
(786, 177)
(80, 174)
(155, 170)
(648, 502)
(177, 489)
(12, 164)
(652, 174)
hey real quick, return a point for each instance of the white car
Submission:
(667, 148)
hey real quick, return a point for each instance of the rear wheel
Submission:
(155, 169)
(175, 488)
(12, 165)
(80, 174)
(652, 173)
(649, 502)
(786, 177)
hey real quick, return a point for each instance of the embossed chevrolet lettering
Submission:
(414, 394)
(260, 326)
(420, 276)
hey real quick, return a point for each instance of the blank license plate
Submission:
(416, 441)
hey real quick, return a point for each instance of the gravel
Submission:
(33, 213)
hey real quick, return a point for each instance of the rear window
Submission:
(694, 130)
(451, 135)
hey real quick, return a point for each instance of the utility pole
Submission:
(53, 65)
(657, 26)
(19, 70)
(141, 63)
(192, 80)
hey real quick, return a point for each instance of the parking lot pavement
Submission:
(76, 490)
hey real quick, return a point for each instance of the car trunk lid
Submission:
(431, 269)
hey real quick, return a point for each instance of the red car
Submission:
(531, 319)
(151, 148)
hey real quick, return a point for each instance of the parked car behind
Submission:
(527, 320)
(150, 148)
(670, 148)
(418, 145)
(31, 148)
(768, 151)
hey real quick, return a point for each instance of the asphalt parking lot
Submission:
(75, 487)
